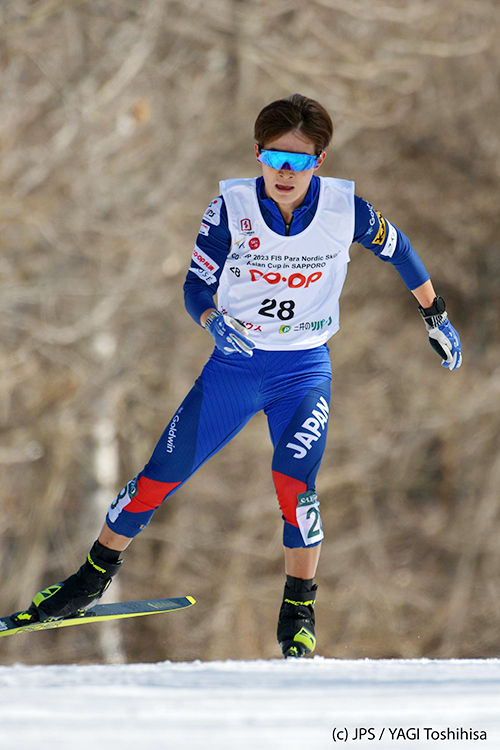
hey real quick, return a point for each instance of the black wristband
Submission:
(438, 307)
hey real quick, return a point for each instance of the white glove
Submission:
(230, 335)
(442, 336)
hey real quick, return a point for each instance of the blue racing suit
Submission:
(291, 387)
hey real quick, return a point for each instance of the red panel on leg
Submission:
(287, 490)
(150, 494)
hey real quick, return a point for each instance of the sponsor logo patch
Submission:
(207, 277)
(379, 238)
(392, 241)
(212, 214)
(204, 260)
(172, 434)
(254, 243)
(204, 229)
(246, 225)
(314, 325)
(294, 281)
(306, 498)
(372, 218)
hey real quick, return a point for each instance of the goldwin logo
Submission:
(172, 432)
(314, 425)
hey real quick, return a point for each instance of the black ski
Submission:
(100, 613)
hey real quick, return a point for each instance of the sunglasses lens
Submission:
(288, 160)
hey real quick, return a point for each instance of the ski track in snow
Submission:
(248, 704)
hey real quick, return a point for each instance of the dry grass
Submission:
(118, 120)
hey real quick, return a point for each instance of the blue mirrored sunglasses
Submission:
(288, 160)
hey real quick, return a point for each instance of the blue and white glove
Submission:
(230, 335)
(442, 336)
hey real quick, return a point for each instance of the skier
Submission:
(275, 249)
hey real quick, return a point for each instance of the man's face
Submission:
(287, 188)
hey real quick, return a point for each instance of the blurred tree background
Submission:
(118, 120)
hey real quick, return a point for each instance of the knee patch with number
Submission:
(133, 507)
(300, 508)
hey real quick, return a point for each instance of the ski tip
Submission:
(191, 599)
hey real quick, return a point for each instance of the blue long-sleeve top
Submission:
(198, 294)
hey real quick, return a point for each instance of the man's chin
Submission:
(284, 197)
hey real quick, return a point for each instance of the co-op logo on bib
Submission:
(295, 280)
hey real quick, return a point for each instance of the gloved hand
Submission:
(230, 335)
(442, 336)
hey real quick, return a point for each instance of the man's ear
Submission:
(257, 150)
(321, 159)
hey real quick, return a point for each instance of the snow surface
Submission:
(248, 704)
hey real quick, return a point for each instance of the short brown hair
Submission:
(296, 112)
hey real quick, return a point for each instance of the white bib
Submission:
(286, 289)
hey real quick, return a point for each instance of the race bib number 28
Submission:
(308, 517)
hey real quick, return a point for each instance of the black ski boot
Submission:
(79, 591)
(296, 619)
